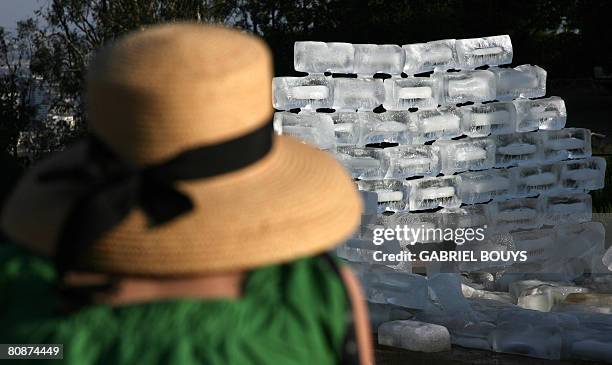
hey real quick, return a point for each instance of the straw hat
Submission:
(156, 94)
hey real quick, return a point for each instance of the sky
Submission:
(13, 10)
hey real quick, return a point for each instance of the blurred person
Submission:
(182, 231)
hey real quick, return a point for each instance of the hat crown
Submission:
(154, 94)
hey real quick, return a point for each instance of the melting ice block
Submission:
(320, 57)
(316, 129)
(534, 180)
(535, 340)
(346, 128)
(510, 215)
(391, 127)
(411, 92)
(309, 92)
(587, 174)
(540, 295)
(525, 81)
(362, 163)
(397, 288)
(518, 149)
(433, 192)
(411, 160)
(466, 154)
(567, 208)
(424, 57)
(547, 114)
(482, 186)
(420, 228)
(475, 52)
(480, 120)
(414, 336)
(359, 250)
(357, 93)
(447, 290)
(566, 143)
(371, 59)
(429, 125)
(392, 194)
(464, 86)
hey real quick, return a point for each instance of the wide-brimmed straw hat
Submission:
(181, 174)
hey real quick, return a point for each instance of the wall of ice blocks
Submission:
(445, 134)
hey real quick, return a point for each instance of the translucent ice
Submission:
(397, 288)
(392, 194)
(516, 214)
(524, 338)
(320, 57)
(411, 160)
(534, 180)
(566, 208)
(517, 149)
(429, 125)
(411, 92)
(417, 227)
(414, 336)
(424, 57)
(447, 290)
(466, 154)
(525, 81)
(480, 120)
(309, 92)
(383, 127)
(587, 174)
(362, 163)
(316, 129)
(566, 143)
(475, 52)
(548, 114)
(372, 58)
(346, 128)
(357, 93)
(433, 192)
(482, 186)
(469, 216)
(464, 86)
(365, 251)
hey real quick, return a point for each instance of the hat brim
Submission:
(296, 201)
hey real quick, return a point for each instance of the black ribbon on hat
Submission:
(114, 187)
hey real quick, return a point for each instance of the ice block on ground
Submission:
(482, 186)
(464, 86)
(475, 52)
(446, 288)
(320, 57)
(545, 114)
(514, 214)
(371, 59)
(429, 125)
(316, 129)
(414, 336)
(534, 180)
(518, 149)
(363, 163)
(583, 301)
(435, 55)
(357, 93)
(346, 128)
(587, 174)
(525, 81)
(411, 160)
(433, 192)
(567, 208)
(392, 194)
(309, 92)
(541, 295)
(523, 338)
(411, 92)
(390, 127)
(480, 120)
(466, 154)
(566, 143)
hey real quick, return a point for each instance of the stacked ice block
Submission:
(444, 134)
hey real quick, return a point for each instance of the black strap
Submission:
(115, 187)
(350, 350)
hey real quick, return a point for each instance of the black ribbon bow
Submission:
(114, 187)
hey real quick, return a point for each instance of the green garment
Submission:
(294, 313)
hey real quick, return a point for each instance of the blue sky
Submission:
(13, 10)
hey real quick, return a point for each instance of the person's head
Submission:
(181, 174)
